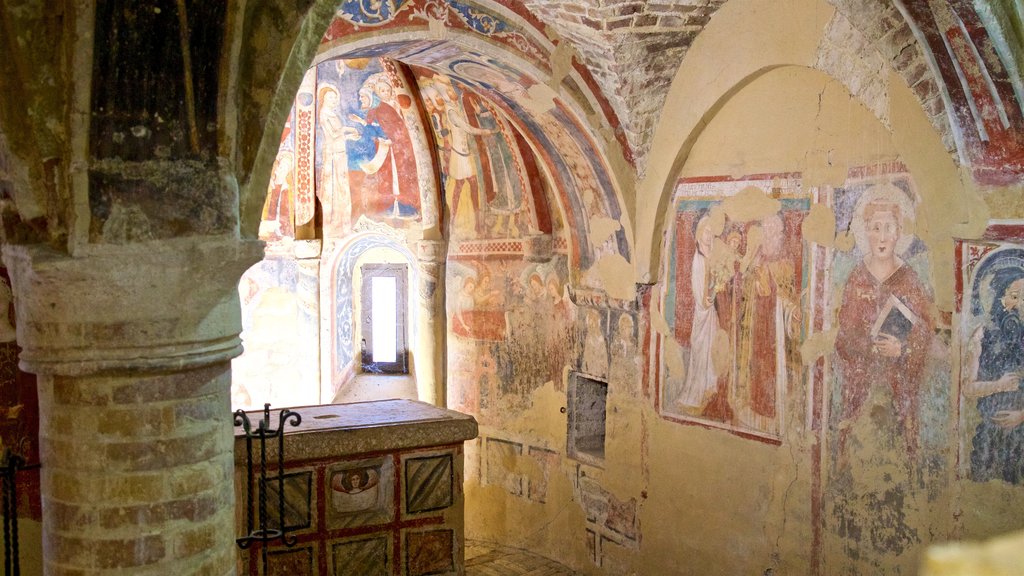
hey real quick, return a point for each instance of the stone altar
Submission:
(371, 488)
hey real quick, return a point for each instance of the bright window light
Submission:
(385, 318)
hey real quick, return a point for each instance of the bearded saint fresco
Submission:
(991, 385)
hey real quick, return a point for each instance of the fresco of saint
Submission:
(884, 319)
(993, 367)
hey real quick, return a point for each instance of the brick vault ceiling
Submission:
(633, 48)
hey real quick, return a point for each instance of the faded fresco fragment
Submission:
(992, 393)
(733, 302)
(279, 209)
(279, 332)
(508, 326)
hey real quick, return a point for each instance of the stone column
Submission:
(132, 346)
(432, 331)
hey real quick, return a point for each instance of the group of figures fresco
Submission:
(365, 149)
(745, 292)
(735, 310)
(509, 325)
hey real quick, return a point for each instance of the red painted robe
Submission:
(398, 168)
(763, 357)
(861, 367)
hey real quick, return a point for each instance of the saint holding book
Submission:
(881, 361)
(884, 318)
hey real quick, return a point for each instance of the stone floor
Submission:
(486, 559)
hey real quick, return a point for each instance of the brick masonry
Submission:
(612, 36)
(138, 473)
(633, 49)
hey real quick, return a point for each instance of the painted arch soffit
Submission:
(565, 146)
(504, 23)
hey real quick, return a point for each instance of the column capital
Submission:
(166, 304)
(432, 251)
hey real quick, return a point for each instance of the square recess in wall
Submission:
(587, 410)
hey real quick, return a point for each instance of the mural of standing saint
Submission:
(769, 322)
(995, 360)
(884, 319)
(333, 183)
(876, 492)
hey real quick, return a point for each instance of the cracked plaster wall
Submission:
(711, 502)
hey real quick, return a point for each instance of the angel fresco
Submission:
(479, 312)
(355, 489)
(995, 360)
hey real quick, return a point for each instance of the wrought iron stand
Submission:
(259, 527)
(9, 466)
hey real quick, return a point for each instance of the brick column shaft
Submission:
(132, 345)
(136, 475)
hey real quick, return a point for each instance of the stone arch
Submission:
(752, 38)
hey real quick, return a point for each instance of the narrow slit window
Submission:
(383, 322)
(384, 316)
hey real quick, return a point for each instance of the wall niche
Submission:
(587, 410)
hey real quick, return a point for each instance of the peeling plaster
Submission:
(820, 226)
(437, 29)
(615, 275)
(658, 322)
(602, 229)
(561, 64)
(818, 345)
(750, 204)
(949, 198)
(541, 99)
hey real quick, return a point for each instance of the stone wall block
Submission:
(127, 553)
(197, 478)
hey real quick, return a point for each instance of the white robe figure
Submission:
(701, 378)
